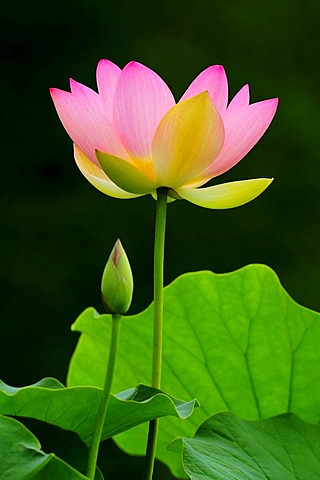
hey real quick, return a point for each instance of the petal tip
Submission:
(217, 67)
(72, 83)
(265, 181)
(272, 103)
(104, 61)
(204, 94)
(98, 152)
(56, 92)
(246, 91)
(133, 64)
(202, 97)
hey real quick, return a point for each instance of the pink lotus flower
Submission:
(132, 137)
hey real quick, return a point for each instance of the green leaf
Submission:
(228, 448)
(236, 341)
(21, 457)
(75, 408)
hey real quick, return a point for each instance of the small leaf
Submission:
(75, 408)
(228, 448)
(236, 341)
(21, 457)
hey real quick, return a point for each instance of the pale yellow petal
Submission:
(187, 140)
(98, 178)
(226, 195)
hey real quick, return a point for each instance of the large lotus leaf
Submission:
(21, 457)
(236, 341)
(75, 408)
(228, 448)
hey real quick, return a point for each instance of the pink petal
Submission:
(88, 95)
(108, 75)
(86, 125)
(241, 99)
(243, 128)
(141, 100)
(213, 80)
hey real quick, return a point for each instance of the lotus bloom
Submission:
(132, 137)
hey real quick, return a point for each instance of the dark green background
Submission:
(57, 230)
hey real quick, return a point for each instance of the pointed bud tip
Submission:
(116, 252)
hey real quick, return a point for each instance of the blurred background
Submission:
(57, 231)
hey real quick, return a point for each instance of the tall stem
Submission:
(101, 415)
(159, 242)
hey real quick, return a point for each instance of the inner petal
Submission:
(141, 100)
(188, 138)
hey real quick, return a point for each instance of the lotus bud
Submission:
(117, 281)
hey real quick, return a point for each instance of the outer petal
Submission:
(241, 99)
(87, 126)
(108, 75)
(213, 80)
(188, 138)
(88, 95)
(226, 195)
(243, 128)
(98, 178)
(125, 175)
(141, 99)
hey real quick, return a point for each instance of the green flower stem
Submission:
(101, 415)
(159, 242)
